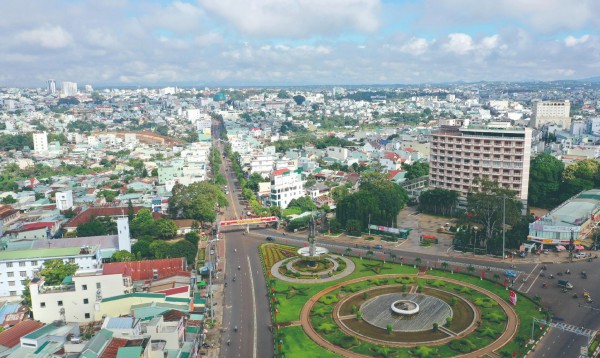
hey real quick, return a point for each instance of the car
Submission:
(510, 273)
(580, 255)
(378, 247)
(270, 238)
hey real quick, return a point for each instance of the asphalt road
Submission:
(245, 299)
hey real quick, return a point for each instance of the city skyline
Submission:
(295, 43)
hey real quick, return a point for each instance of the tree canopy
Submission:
(98, 226)
(485, 206)
(196, 201)
(545, 177)
(438, 201)
(55, 271)
(377, 197)
(299, 99)
(416, 170)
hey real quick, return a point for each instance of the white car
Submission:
(580, 255)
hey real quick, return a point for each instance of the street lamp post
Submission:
(474, 240)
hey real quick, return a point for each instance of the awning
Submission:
(560, 248)
(201, 284)
(579, 247)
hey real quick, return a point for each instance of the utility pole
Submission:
(503, 225)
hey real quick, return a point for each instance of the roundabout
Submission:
(407, 313)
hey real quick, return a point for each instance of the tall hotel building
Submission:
(498, 152)
(551, 112)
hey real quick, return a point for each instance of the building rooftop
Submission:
(39, 253)
(145, 270)
(12, 336)
(576, 211)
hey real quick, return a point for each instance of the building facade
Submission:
(40, 142)
(546, 112)
(459, 155)
(18, 265)
(69, 89)
(286, 185)
(64, 200)
(76, 300)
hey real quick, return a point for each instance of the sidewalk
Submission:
(213, 337)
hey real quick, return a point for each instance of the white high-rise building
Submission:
(40, 142)
(69, 89)
(51, 86)
(551, 112)
(458, 155)
(64, 200)
(286, 185)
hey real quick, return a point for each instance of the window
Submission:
(60, 303)
(42, 304)
(98, 285)
(11, 283)
(9, 264)
(10, 274)
(13, 293)
(87, 315)
(72, 260)
(23, 273)
(33, 263)
(85, 301)
(84, 287)
(22, 264)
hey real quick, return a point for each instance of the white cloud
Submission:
(571, 41)
(178, 17)
(52, 37)
(459, 43)
(415, 46)
(297, 18)
(490, 42)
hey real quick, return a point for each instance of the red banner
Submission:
(513, 297)
(266, 219)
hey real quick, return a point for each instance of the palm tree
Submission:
(496, 276)
(418, 261)
(471, 268)
(393, 257)
(444, 265)
(348, 251)
(369, 253)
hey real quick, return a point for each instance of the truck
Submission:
(565, 284)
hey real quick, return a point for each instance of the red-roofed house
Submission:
(34, 231)
(12, 336)
(148, 269)
(114, 212)
(397, 176)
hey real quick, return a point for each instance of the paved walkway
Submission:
(350, 267)
(512, 324)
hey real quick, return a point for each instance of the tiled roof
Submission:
(174, 291)
(87, 215)
(280, 171)
(12, 336)
(143, 270)
(37, 226)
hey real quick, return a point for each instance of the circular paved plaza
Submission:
(378, 312)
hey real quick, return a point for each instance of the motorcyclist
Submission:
(235, 328)
(239, 267)
(228, 341)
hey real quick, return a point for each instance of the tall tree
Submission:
(196, 201)
(545, 177)
(438, 201)
(485, 205)
(416, 170)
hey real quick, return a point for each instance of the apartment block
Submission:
(551, 112)
(501, 154)
(286, 185)
(76, 299)
(40, 143)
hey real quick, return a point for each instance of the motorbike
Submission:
(575, 295)
(235, 329)
(544, 285)
(559, 274)
(542, 274)
(229, 342)
(239, 267)
(225, 284)
(568, 272)
(551, 276)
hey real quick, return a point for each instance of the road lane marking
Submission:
(533, 282)
(253, 305)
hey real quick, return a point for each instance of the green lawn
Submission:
(291, 303)
(297, 344)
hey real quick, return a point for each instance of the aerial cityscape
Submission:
(347, 178)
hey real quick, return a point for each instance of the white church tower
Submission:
(123, 232)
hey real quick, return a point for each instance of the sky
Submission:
(296, 42)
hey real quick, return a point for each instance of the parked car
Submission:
(510, 273)
(580, 255)
(270, 238)
(378, 247)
